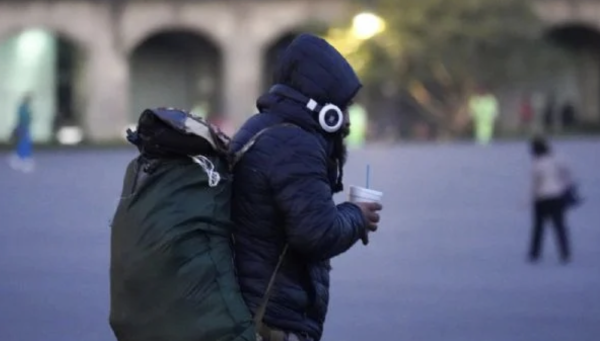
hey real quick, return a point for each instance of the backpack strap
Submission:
(260, 312)
(235, 158)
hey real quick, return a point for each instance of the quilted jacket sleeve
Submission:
(315, 226)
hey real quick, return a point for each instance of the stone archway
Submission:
(581, 86)
(271, 57)
(273, 50)
(50, 67)
(176, 68)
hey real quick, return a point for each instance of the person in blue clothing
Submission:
(22, 159)
(284, 186)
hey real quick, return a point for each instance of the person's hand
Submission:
(370, 211)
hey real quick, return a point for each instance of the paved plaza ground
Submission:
(447, 265)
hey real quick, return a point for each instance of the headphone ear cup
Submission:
(331, 118)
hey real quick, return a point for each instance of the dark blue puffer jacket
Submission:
(283, 193)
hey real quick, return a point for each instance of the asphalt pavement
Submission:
(448, 263)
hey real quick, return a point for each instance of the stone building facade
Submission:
(107, 32)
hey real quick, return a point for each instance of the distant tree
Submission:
(438, 51)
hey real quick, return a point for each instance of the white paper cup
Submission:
(361, 194)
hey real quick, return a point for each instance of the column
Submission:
(108, 95)
(590, 87)
(242, 77)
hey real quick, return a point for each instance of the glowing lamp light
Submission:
(367, 25)
(31, 44)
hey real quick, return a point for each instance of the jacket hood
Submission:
(313, 67)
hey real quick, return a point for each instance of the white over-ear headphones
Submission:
(330, 116)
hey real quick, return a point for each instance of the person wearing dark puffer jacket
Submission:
(284, 186)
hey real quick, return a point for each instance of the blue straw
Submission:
(368, 175)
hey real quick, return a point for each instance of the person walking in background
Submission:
(568, 115)
(359, 119)
(22, 158)
(484, 111)
(551, 180)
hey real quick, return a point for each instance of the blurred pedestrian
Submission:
(551, 181)
(484, 111)
(568, 115)
(22, 158)
(359, 119)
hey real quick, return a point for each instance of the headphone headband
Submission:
(330, 116)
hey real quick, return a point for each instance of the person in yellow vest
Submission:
(201, 109)
(358, 130)
(484, 111)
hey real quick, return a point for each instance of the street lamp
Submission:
(366, 25)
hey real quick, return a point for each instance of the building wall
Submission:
(108, 32)
(27, 65)
(109, 35)
(582, 84)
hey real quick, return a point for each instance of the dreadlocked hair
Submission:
(339, 184)
(339, 158)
